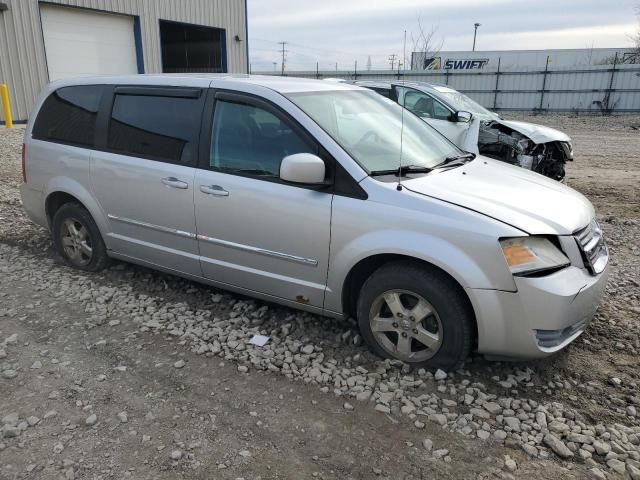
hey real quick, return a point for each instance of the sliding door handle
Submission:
(173, 182)
(216, 190)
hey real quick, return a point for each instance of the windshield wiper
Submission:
(456, 160)
(401, 171)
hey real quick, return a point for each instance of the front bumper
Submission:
(542, 317)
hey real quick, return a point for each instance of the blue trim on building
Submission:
(223, 49)
(246, 33)
(137, 35)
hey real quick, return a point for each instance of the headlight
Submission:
(568, 149)
(532, 254)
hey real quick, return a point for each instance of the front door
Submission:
(255, 231)
(144, 176)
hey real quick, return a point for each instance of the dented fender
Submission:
(470, 140)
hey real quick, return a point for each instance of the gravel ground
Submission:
(131, 373)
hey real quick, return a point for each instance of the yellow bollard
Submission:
(6, 106)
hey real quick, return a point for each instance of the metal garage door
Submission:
(84, 42)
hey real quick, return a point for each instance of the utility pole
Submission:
(475, 31)
(392, 60)
(284, 44)
(404, 51)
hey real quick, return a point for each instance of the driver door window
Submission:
(250, 140)
(423, 105)
(440, 112)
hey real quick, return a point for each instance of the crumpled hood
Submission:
(521, 198)
(537, 133)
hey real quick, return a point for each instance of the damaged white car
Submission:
(475, 129)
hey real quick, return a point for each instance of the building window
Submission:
(192, 48)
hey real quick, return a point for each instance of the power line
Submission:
(317, 53)
(309, 47)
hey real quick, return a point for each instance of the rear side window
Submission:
(69, 116)
(155, 127)
(385, 92)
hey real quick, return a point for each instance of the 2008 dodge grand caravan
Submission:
(323, 196)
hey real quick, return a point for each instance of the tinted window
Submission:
(385, 92)
(160, 128)
(69, 115)
(191, 48)
(251, 140)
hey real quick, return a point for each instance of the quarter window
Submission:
(385, 92)
(251, 140)
(69, 116)
(155, 127)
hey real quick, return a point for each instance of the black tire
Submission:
(453, 319)
(77, 214)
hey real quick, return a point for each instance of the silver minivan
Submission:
(326, 197)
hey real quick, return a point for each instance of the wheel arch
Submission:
(364, 268)
(54, 201)
(61, 190)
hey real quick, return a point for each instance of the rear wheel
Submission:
(417, 315)
(77, 239)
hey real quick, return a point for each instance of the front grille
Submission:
(593, 247)
(554, 338)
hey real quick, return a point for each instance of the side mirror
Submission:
(461, 117)
(304, 168)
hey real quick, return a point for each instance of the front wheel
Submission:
(415, 314)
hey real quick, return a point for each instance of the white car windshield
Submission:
(374, 130)
(460, 102)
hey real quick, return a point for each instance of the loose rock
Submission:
(555, 444)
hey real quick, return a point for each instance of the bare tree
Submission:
(427, 44)
(636, 40)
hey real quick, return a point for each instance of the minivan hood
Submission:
(526, 200)
(537, 133)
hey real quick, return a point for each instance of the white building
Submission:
(518, 59)
(45, 41)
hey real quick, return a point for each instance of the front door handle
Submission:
(214, 190)
(173, 182)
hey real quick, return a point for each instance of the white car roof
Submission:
(276, 83)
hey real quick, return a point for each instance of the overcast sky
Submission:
(343, 31)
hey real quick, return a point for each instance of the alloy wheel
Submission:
(76, 242)
(405, 325)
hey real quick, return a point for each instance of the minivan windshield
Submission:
(460, 102)
(368, 126)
